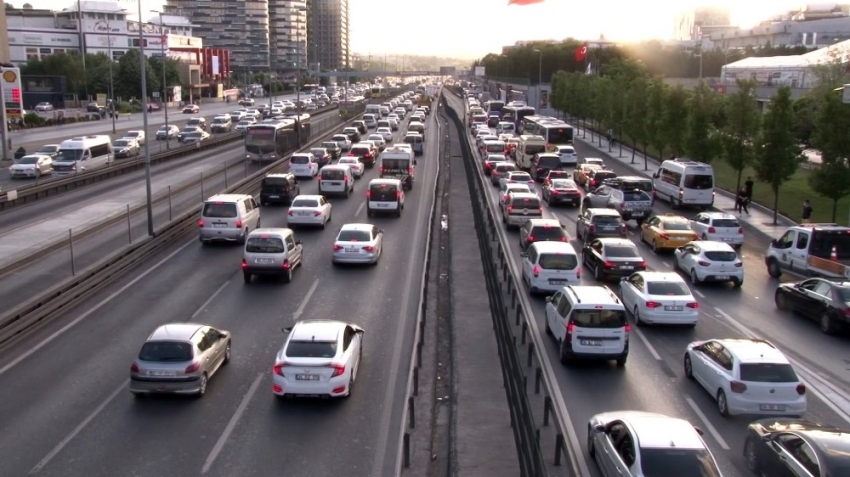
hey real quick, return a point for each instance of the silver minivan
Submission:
(228, 218)
(384, 196)
(271, 251)
(336, 179)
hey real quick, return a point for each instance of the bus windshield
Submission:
(260, 140)
(560, 135)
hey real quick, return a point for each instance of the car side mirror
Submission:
(297, 242)
(287, 329)
(548, 299)
(523, 254)
(797, 285)
(599, 428)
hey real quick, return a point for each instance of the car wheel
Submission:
(227, 353)
(202, 385)
(781, 301)
(694, 278)
(597, 273)
(287, 277)
(621, 361)
(689, 367)
(548, 330)
(737, 283)
(773, 268)
(722, 404)
(636, 314)
(655, 246)
(562, 351)
(826, 324)
(246, 277)
(751, 456)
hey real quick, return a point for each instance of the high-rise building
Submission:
(239, 26)
(288, 34)
(695, 23)
(4, 39)
(328, 45)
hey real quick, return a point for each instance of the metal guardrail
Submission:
(55, 186)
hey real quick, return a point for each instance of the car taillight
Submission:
(592, 227)
(653, 304)
(410, 170)
(623, 228)
(193, 367)
(564, 239)
(278, 368)
(285, 265)
(536, 271)
(238, 224)
(737, 387)
(642, 265)
(368, 194)
(846, 312)
(317, 213)
(627, 329)
(505, 197)
(339, 369)
(201, 223)
(704, 264)
(289, 212)
(738, 264)
(509, 208)
(134, 368)
(244, 263)
(664, 236)
(608, 264)
(801, 389)
(529, 239)
(712, 230)
(368, 248)
(740, 230)
(337, 248)
(570, 327)
(381, 170)
(693, 305)
(398, 194)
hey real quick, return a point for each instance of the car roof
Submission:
(662, 277)
(175, 332)
(592, 295)
(395, 182)
(524, 195)
(331, 167)
(228, 197)
(280, 174)
(308, 196)
(549, 154)
(713, 245)
(366, 227)
(673, 218)
(616, 241)
(316, 330)
(719, 215)
(275, 231)
(754, 351)
(656, 431)
(518, 173)
(544, 223)
(601, 211)
(553, 247)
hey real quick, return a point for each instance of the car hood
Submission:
(22, 167)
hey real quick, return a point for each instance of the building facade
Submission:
(694, 24)
(328, 42)
(242, 27)
(810, 33)
(288, 35)
(4, 39)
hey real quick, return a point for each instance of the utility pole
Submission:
(164, 83)
(143, 72)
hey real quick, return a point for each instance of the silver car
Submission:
(358, 243)
(271, 252)
(179, 358)
(33, 165)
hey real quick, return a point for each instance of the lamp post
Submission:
(298, 75)
(539, 75)
(143, 73)
(162, 41)
(111, 84)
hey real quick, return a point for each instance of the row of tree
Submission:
(704, 125)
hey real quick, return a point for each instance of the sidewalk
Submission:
(760, 218)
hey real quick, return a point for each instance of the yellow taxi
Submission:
(581, 172)
(669, 231)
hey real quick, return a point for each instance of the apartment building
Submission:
(328, 43)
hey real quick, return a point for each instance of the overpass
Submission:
(373, 74)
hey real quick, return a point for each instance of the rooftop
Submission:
(316, 330)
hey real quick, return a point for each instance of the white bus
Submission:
(553, 130)
(82, 153)
(528, 147)
(685, 183)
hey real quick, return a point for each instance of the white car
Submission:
(309, 210)
(386, 133)
(746, 376)
(303, 164)
(709, 261)
(378, 141)
(358, 243)
(719, 227)
(236, 116)
(353, 162)
(518, 177)
(508, 189)
(550, 266)
(659, 298)
(254, 113)
(137, 135)
(394, 120)
(342, 141)
(33, 165)
(319, 357)
(568, 154)
(243, 125)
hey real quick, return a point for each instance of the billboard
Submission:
(447, 71)
(479, 71)
(13, 95)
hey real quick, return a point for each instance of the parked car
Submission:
(43, 107)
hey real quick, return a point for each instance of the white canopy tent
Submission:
(794, 71)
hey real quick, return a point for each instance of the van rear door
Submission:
(698, 185)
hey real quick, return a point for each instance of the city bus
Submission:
(270, 141)
(553, 130)
(517, 113)
(494, 106)
(309, 88)
(377, 91)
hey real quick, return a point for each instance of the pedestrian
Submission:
(807, 211)
(742, 201)
(748, 184)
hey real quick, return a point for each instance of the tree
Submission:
(673, 124)
(832, 180)
(603, 103)
(701, 140)
(128, 78)
(635, 115)
(69, 65)
(656, 101)
(743, 121)
(777, 155)
(805, 112)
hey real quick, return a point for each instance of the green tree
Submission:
(604, 99)
(777, 154)
(634, 110)
(674, 124)
(805, 112)
(69, 65)
(701, 140)
(128, 78)
(832, 179)
(743, 121)
(656, 102)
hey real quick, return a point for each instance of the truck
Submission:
(431, 90)
(397, 163)
(811, 250)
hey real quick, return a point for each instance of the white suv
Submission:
(589, 322)
(746, 376)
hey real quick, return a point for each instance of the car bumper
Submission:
(521, 219)
(276, 198)
(352, 257)
(726, 239)
(602, 355)
(566, 199)
(669, 317)
(26, 173)
(739, 404)
(269, 271)
(309, 220)
(670, 244)
(554, 284)
(140, 385)
(122, 154)
(282, 386)
(709, 276)
(222, 235)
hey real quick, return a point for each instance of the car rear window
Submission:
(525, 203)
(676, 226)
(549, 162)
(656, 462)
(635, 196)
(667, 288)
(166, 351)
(548, 233)
(699, 181)
(395, 164)
(600, 175)
(558, 261)
(645, 186)
(621, 251)
(354, 236)
(311, 349)
(768, 373)
(300, 160)
(383, 192)
(562, 184)
(360, 151)
(599, 318)
(221, 210)
(274, 182)
(725, 223)
(333, 174)
(721, 256)
(330, 145)
(264, 245)
(606, 219)
(305, 203)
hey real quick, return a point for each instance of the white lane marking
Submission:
(699, 293)
(832, 396)
(645, 341)
(708, 425)
(305, 300)
(665, 264)
(210, 299)
(231, 425)
(359, 209)
(64, 442)
(85, 315)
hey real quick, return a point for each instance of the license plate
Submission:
(162, 373)
(722, 277)
(674, 308)
(352, 250)
(274, 197)
(591, 343)
(305, 214)
(558, 282)
(627, 267)
(219, 226)
(772, 407)
(264, 260)
(382, 206)
(307, 377)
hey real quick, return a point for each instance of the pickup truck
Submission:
(630, 203)
(811, 250)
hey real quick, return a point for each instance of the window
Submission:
(667, 288)
(599, 318)
(383, 192)
(564, 306)
(166, 351)
(290, 242)
(667, 462)
(300, 159)
(305, 203)
(621, 251)
(264, 245)
(768, 373)
(802, 241)
(32, 53)
(220, 210)
(558, 261)
(721, 256)
(354, 236)
(332, 174)
(786, 240)
(699, 181)
(117, 54)
(311, 349)
(547, 233)
(732, 223)
(671, 177)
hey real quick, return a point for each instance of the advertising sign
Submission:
(479, 71)
(177, 94)
(544, 99)
(447, 71)
(101, 99)
(13, 96)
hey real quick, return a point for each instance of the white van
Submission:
(228, 218)
(374, 109)
(384, 196)
(303, 165)
(336, 179)
(82, 153)
(528, 147)
(685, 183)
(549, 266)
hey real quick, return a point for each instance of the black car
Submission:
(353, 135)
(612, 257)
(817, 299)
(279, 189)
(541, 230)
(493, 120)
(778, 447)
(361, 126)
(543, 163)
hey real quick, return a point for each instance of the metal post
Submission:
(559, 448)
(538, 376)
(298, 80)
(143, 73)
(71, 244)
(411, 412)
(111, 83)
(202, 187)
(225, 174)
(416, 381)
(164, 82)
(406, 446)
(7, 142)
(169, 204)
(129, 227)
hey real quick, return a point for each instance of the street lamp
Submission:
(298, 75)
(111, 84)
(143, 73)
(539, 75)
(162, 41)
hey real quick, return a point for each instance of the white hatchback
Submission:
(549, 266)
(354, 164)
(719, 227)
(386, 133)
(568, 154)
(309, 210)
(659, 297)
(303, 165)
(507, 189)
(378, 141)
(518, 177)
(709, 261)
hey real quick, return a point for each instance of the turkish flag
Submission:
(523, 2)
(581, 52)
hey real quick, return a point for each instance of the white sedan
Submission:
(387, 134)
(343, 141)
(659, 297)
(353, 163)
(718, 226)
(309, 210)
(508, 189)
(378, 141)
(518, 177)
(709, 261)
(33, 165)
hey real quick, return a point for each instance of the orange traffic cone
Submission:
(833, 256)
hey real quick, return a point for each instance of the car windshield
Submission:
(721, 255)
(305, 203)
(340, 137)
(166, 351)
(220, 210)
(668, 462)
(28, 160)
(521, 178)
(219, 121)
(311, 349)
(621, 251)
(768, 373)
(120, 143)
(667, 288)
(676, 226)
(354, 236)
(48, 149)
(318, 152)
(558, 261)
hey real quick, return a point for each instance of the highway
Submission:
(84, 207)
(653, 380)
(67, 410)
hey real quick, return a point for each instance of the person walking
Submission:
(807, 211)
(742, 201)
(748, 184)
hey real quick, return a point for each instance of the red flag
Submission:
(523, 2)
(581, 52)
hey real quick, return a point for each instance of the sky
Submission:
(474, 28)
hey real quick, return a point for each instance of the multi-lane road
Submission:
(653, 380)
(66, 409)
